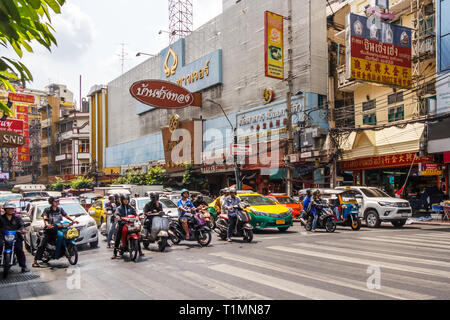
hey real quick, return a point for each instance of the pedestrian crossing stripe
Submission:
(428, 238)
(385, 291)
(408, 242)
(365, 261)
(419, 240)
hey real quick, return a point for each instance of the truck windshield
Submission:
(374, 193)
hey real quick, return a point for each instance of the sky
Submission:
(90, 33)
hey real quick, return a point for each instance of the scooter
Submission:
(198, 231)
(243, 227)
(130, 237)
(325, 221)
(8, 256)
(65, 244)
(159, 231)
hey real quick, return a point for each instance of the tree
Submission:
(156, 176)
(191, 176)
(82, 183)
(59, 185)
(21, 23)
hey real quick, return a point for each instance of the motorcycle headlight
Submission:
(9, 238)
(91, 223)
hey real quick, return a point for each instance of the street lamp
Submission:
(236, 166)
(145, 54)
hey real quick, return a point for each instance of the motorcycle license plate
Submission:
(282, 221)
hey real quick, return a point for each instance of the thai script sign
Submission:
(12, 125)
(273, 48)
(430, 169)
(378, 51)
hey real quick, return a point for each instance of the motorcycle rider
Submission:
(152, 206)
(230, 202)
(314, 202)
(185, 210)
(199, 202)
(217, 203)
(52, 216)
(226, 193)
(122, 211)
(113, 204)
(9, 221)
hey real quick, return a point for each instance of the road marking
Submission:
(268, 238)
(411, 243)
(443, 264)
(280, 284)
(420, 240)
(427, 236)
(220, 288)
(348, 283)
(366, 262)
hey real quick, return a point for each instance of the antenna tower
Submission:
(123, 55)
(181, 20)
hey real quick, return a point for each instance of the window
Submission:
(396, 97)
(64, 127)
(370, 119)
(84, 168)
(83, 146)
(369, 105)
(396, 114)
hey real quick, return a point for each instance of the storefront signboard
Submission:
(389, 161)
(430, 169)
(273, 48)
(24, 98)
(378, 51)
(12, 125)
(447, 157)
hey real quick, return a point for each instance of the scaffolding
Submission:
(181, 20)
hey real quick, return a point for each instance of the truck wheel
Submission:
(398, 223)
(372, 219)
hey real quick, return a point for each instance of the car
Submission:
(87, 227)
(376, 206)
(266, 213)
(87, 199)
(9, 197)
(288, 202)
(169, 207)
(33, 194)
(98, 210)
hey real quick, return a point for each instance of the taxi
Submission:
(288, 202)
(98, 211)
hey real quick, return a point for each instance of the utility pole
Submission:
(290, 148)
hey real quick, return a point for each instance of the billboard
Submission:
(377, 51)
(273, 48)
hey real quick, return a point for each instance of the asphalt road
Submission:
(386, 263)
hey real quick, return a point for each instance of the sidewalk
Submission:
(428, 219)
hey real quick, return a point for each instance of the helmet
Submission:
(232, 190)
(184, 191)
(116, 196)
(222, 191)
(309, 191)
(111, 198)
(226, 190)
(317, 192)
(199, 197)
(154, 196)
(53, 199)
(124, 196)
(9, 205)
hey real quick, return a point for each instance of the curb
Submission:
(431, 223)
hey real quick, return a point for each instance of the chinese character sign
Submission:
(274, 60)
(378, 51)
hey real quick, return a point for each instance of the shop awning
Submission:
(387, 141)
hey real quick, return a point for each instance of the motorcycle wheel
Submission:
(223, 236)
(248, 236)
(46, 257)
(172, 234)
(356, 225)
(72, 254)
(204, 238)
(6, 265)
(146, 244)
(330, 225)
(162, 244)
(308, 225)
(133, 249)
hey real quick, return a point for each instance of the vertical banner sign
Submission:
(274, 50)
(378, 51)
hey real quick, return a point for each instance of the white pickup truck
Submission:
(376, 207)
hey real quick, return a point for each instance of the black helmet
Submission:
(116, 196)
(53, 199)
(154, 196)
(111, 198)
(124, 196)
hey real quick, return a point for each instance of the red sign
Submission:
(12, 125)
(24, 157)
(26, 133)
(391, 161)
(17, 97)
(26, 126)
(23, 117)
(430, 169)
(27, 142)
(161, 94)
(447, 157)
(23, 150)
(22, 109)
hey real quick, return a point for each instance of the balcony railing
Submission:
(46, 123)
(63, 157)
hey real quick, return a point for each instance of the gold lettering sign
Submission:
(170, 70)
(174, 123)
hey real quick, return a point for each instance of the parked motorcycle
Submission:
(243, 227)
(198, 231)
(65, 240)
(8, 258)
(158, 231)
(325, 221)
(130, 237)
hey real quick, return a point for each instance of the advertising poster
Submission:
(274, 51)
(378, 51)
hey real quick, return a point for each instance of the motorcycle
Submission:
(8, 258)
(158, 232)
(325, 221)
(65, 244)
(130, 237)
(243, 227)
(198, 230)
(206, 215)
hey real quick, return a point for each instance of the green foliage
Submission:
(59, 185)
(191, 177)
(155, 176)
(23, 22)
(82, 183)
